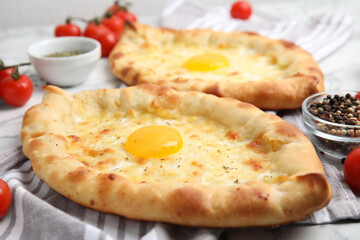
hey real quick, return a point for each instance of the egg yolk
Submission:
(154, 141)
(206, 62)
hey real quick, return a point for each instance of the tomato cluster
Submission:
(15, 89)
(106, 30)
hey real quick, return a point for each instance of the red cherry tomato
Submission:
(114, 8)
(68, 29)
(357, 95)
(241, 10)
(115, 24)
(16, 91)
(94, 30)
(352, 169)
(5, 198)
(107, 40)
(126, 16)
(6, 72)
(104, 35)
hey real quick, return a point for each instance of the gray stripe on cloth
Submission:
(5, 164)
(331, 28)
(316, 25)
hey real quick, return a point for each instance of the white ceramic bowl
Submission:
(65, 71)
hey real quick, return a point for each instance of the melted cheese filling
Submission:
(244, 64)
(210, 154)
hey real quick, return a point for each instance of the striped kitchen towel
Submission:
(38, 212)
(320, 34)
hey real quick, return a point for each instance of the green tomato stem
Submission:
(70, 19)
(15, 74)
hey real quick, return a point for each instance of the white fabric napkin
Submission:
(320, 35)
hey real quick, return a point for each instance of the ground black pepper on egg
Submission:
(338, 109)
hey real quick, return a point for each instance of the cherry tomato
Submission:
(357, 95)
(94, 30)
(16, 89)
(68, 29)
(6, 72)
(104, 35)
(126, 15)
(241, 10)
(115, 24)
(5, 198)
(107, 40)
(114, 8)
(352, 169)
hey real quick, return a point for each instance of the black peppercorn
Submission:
(343, 110)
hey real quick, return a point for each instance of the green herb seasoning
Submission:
(65, 54)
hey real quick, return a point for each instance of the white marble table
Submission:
(341, 69)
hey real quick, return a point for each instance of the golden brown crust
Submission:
(300, 75)
(47, 135)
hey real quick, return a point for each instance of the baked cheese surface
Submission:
(244, 64)
(211, 153)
